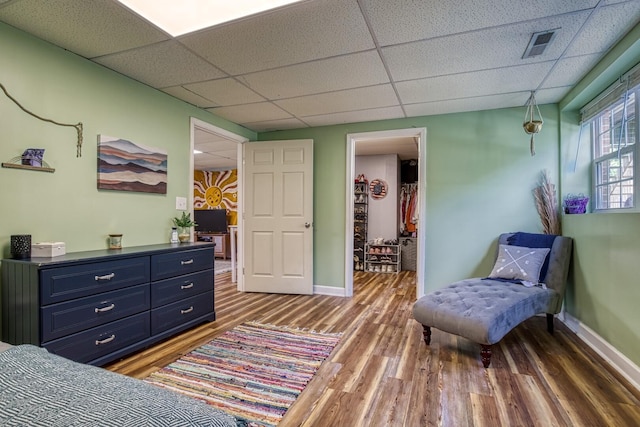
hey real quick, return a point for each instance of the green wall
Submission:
(66, 205)
(603, 291)
(479, 181)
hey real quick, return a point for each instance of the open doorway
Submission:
(216, 183)
(380, 143)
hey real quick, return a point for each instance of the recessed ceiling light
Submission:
(185, 16)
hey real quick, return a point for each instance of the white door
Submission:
(278, 217)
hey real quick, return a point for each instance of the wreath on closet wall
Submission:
(378, 189)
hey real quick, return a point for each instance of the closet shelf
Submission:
(361, 199)
(382, 258)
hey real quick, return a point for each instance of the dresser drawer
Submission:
(99, 341)
(177, 313)
(73, 316)
(177, 288)
(179, 263)
(64, 283)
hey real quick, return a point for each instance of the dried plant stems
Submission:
(547, 204)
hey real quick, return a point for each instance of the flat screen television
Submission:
(210, 220)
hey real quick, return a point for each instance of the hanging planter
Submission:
(532, 125)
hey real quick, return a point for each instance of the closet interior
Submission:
(385, 214)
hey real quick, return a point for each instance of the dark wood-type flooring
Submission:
(383, 374)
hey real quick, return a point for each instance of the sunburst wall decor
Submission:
(217, 190)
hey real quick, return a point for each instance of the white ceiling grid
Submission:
(323, 62)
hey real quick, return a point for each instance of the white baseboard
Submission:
(621, 363)
(333, 291)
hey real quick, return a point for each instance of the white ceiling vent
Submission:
(539, 42)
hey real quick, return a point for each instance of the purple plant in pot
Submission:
(575, 203)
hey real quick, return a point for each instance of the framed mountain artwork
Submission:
(127, 166)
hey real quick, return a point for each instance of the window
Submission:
(613, 120)
(614, 136)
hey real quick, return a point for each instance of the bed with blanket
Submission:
(41, 389)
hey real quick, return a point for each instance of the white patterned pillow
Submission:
(519, 263)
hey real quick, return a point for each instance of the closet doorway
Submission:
(384, 143)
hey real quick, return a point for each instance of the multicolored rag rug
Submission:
(254, 372)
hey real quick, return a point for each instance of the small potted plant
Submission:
(184, 224)
(575, 203)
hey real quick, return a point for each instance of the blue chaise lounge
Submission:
(528, 278)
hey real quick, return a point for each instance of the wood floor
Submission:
(383, 374)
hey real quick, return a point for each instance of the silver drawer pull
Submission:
(186, 262)
(188, 310)
(103, 309)
(189, 286)
(106, 277)
(106, 340)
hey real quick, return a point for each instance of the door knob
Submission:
(307, 225)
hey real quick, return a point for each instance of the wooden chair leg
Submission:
(550, 323)
(426, 333)
(485, 353)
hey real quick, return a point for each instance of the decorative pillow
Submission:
(533, 240)
(519, 263)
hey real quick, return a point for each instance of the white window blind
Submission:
(611, 95)
(612, 119)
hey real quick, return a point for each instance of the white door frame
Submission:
(239, 139)
(352, 138)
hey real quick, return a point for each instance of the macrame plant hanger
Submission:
(532, 125)
(78, 126)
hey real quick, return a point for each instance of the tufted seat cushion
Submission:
(482, 310)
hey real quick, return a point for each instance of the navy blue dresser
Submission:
(95, 307)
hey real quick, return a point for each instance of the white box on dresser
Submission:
(48, 249)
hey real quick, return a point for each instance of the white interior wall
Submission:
(383, 213)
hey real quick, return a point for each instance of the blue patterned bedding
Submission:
(41, 389)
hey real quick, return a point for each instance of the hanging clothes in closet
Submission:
(409, 211)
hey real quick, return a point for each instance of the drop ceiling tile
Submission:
(401, 21)
(218, 147)
(161, 65)
(206, 136)
(227, 154)
(468, 104)
(490, 102)
(188, 96)
(405, 148)
(340, 101)
(224, 92)
(273, 125)
(88, 28)
(203, 159)
(249, 113)
(605, 28)
(478, 83)
(369, 115)
(303, 32)
(209, 162)
(552, 95)
(479, 50)
(343, 72)
(569, 71)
